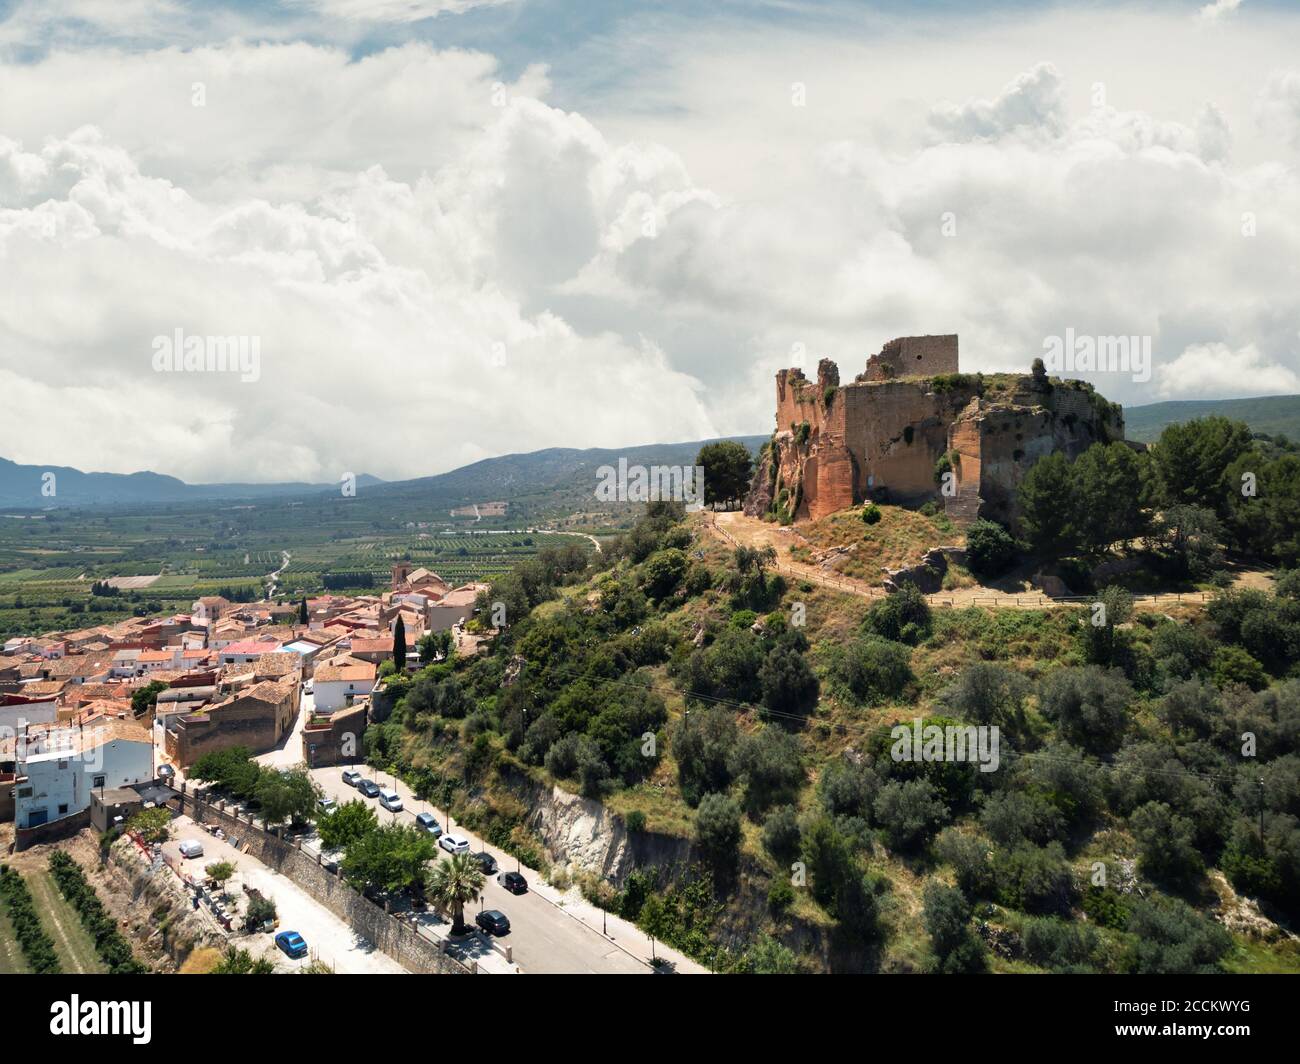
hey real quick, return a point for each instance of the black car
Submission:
(486, 862)
(369, 788)
(493, 921)
(513, 882)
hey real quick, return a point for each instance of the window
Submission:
(63, 810)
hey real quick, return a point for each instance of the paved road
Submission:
(549, 933)
(288, 751)
(328, 937)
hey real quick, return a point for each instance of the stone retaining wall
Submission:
(399, 940)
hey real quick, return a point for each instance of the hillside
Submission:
(788, 754)
(554, 482)
(1272, 415)
(21, 486)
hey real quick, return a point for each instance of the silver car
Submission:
(454, 843)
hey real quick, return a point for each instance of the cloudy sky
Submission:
(461, 228)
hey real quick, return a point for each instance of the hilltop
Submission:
(1272, 415)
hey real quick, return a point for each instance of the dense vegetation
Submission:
(279, 795)
(676, 685)
(1204, 485)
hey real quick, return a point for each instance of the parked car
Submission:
(426, 822)
(454, 843)
(326, 806)
(166, 773)
(307, 688)
(486, 862)
(292, 943)
(369, 788)
(191, 848)
(493, 921)
(351, 777)
(513, 882)
(390, 800)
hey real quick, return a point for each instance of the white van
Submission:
(390, 800)
(191, 848)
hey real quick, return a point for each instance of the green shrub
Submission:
(113, 949)
(780, 896)
(871, 514)
(990, 549)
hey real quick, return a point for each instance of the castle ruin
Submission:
(907, 419)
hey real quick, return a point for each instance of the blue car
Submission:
(293, 944)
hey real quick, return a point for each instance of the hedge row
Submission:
(113, 949)
(37, 946)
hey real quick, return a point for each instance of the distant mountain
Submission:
(31, 486)
(553, 482)
(1272, 415)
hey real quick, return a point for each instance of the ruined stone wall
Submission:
(896, 431)
(914, 356)
(882, 435)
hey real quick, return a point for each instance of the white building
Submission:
(13, 718)
(59, 765)
(337, 686)
(454, 608)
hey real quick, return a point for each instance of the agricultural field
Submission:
(75, 948)
(11, 953)
(164, 557)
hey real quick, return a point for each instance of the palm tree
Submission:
(454, 882)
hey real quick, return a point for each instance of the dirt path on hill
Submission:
(736, 529)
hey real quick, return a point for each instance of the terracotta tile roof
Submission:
(277, 663)
(357, 673)
(251, 646)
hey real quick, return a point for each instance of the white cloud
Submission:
(402, 324)
(395, 10)
(1032, 103)
(391, 227)
(1218, 10)
(1278, 107)
(1217, 369)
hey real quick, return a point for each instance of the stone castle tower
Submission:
(908, 416)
